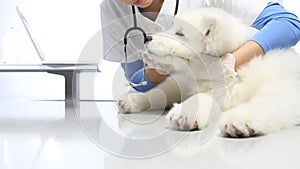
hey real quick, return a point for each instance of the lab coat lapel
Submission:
(166, 14)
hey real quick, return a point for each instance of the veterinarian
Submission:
(278, 28)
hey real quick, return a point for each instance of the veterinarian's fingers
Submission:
(228, 63)
(145, 58)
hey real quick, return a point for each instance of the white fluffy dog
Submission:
(261, 98)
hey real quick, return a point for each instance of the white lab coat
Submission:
(116, 18)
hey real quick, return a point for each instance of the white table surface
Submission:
(6, 67)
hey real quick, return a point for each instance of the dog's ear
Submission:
(209, 25)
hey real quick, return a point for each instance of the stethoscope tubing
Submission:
(146, 39)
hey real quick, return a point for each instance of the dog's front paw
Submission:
(126, 105)
(180, 119)
(238, 124)
(192, 114)
(132, 103)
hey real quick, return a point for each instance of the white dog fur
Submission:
(262, 98)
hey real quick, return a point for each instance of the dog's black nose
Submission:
(148, 39)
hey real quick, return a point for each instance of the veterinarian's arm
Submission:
(246, 52)
(155, 77)
(278, 29)
(152, 77)
(136, 72)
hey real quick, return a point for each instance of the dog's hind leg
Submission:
(270, 110)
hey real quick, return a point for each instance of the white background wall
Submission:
(62, 27)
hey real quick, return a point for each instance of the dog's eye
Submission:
(179, 34)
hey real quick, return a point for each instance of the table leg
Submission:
(72, 95)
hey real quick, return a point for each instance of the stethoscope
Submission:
(146, 39)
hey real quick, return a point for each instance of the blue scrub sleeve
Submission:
(135, 74)
(132, 67)
(277, 27)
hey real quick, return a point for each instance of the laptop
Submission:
(40, 52)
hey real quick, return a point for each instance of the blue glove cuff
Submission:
(137, 77)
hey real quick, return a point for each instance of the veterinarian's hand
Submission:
(228, 63)
(160, 68)
(211, 68)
